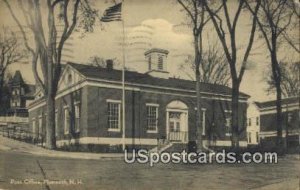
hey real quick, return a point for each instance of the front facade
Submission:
(89, 108)
(261, 120)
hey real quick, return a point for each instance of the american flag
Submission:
(112, 13)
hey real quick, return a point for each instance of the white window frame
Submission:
(156, 126)
(77, 115)
(66, 122)
(203, 120)
(119, 102)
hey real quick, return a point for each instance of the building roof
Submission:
(272, 103)
(94, 72)
(156, 50)
(17, 79)
(29, 91)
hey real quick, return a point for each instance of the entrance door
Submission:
(177, 121)
(175, 131)
(174, 121)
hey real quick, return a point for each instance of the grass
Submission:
(99, 174)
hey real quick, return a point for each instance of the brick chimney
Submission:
(109, 64)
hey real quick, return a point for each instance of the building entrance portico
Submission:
(177, 121)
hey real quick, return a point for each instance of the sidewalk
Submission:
(7, 144)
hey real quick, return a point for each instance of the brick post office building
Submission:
(88, 107)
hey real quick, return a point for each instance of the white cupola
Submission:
(157, 62)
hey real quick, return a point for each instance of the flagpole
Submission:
(123, 81)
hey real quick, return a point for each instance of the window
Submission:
(77, 116)
(257, 121)
(34, 133)
(69, 79)
(160, 63)
(227, 122)
(152, 117)
(203, 121)
(257, 137)
(149, 63)
(67, 120)
(40, 131)
(290, 117)
(249, 137)
(56, 122)
(249, 122)
(114, 115)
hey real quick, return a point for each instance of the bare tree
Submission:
(48, 44)
(11, 51)
(97, 61)
(291, 35)
(231, 50)
(290, 79)
(273, 20)
(101, 62)
(197, 19)
(214, 67)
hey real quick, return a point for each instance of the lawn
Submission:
(104, 174)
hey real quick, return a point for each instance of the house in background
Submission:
(88, 107)
(22, 95)
(253, 124)
(15, 119)
(261, 124)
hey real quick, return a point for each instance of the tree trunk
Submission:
(279, 140)
(277, 77)
(198, 101)
(235, 114)
(50, 127)
(1, 88)
(198, 112)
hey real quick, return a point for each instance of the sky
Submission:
(165, 20)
